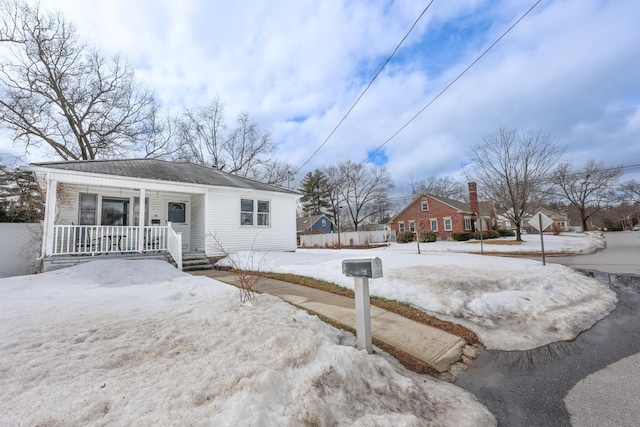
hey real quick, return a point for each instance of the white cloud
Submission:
(569, 68)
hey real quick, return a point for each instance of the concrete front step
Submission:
(195, 262)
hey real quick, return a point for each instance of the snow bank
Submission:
(139, 343)
(512, 304)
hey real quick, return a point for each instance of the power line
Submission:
(366, 88)
(451, 84)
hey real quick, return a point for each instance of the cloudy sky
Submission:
(570, 68)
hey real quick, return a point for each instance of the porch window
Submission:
(467, 223)
(115, 211)
(88, 209)
(434, 225)
(447, 224)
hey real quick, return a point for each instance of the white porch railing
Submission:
(103, 239)
(174, 245)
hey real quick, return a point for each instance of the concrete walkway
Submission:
(431, 345)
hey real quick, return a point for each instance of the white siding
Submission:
(197, 222)
(223, 222)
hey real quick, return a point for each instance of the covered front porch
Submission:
(97, 240)
(88, 215)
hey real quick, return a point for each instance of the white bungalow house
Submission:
(93, 207)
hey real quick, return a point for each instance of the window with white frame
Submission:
(412, 226)
(467, 223)
(324, 222)
(424, 206)
(88, 212)
(434, 224)
(401, 226)
(255, 212)
(447, 224)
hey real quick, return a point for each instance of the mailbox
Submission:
(368, 267)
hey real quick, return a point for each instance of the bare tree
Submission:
(202, 133)
(204, 138)
(513, 167)
(629, 191)
(588, 189)
(58, 91)
(364, 190)
(446, 187)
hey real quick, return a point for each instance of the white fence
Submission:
(19, 248)
(355, 238)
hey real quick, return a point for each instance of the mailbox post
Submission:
(362, 270)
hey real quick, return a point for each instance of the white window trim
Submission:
(467, 219)
(412, 224)
(431, 222)
(401, 228)
(255, 212)
(422, 203)
(444, 220)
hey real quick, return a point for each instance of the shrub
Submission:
(428, 236)
(493, 234)
(460, 237)
(405, 237)
(507, 233)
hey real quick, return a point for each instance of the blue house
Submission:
(315, 224)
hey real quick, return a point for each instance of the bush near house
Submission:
(461, 237)
(506, 233)
(405, 237)
(428, 236)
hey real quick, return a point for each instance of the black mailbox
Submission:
(367, 267)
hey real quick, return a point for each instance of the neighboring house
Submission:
(93, 207)
(315, 224)
(561, 219)
(444, 216)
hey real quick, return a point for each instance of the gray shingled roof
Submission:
(185, 172)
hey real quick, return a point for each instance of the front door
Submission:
(178, 214)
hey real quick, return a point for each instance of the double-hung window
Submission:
(424, 206)
(434, 224)
(467, 223)
(412, 226)
(401, 227)
(88, 214)
(447, 224)
(255, 212)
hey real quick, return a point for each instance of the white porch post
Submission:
(141, 220)
(49, 217)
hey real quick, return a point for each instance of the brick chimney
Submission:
(473, 198)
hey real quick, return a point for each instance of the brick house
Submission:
(444, 216)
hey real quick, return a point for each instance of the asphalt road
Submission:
(593, 374)
(621, 256)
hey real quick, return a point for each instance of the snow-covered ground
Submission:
(578, 243)
(511, 303)
(139, 343)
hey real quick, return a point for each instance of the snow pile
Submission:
(137, 342)
(576, 243)
(512, 304)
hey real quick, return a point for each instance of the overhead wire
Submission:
(366, 88)
(452, 82)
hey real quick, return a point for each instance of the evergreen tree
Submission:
(20, 196)
(315, 189)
